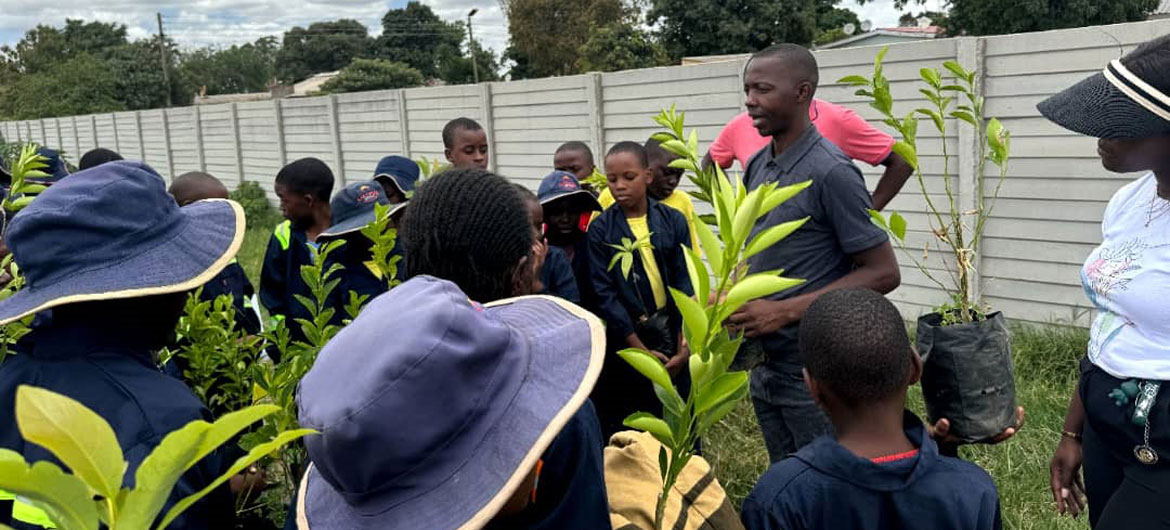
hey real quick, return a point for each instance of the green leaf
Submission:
(700, 280)
(33, 189)
(907, 152)
(644, 421)
(698, 368)
(931, 76)
(883, 101)
(956, 69)
(965, 116)
(753, 287)
(898, 226)
(627, 264)
(64, 498)
(257, 452)
(745, 217)
(717, 413)
(781, 195)
(711, 247)
(647, 365)
(663, 463)
(676, 147)
(934, 116)
(771, 236)
(614, 261)
(878, 219)
(720, 390)
(693, 142)
(77, 436)
(694, 318)
(877, 62)
(864, 93)
(178, 452)
(854, 80)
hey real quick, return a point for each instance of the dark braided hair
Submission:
(470, 227)
(854, 342)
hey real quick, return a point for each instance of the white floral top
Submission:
(1127, 279)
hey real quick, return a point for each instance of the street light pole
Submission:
(471, 46)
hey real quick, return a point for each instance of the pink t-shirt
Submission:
(859, 140)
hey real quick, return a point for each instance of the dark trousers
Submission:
(788, 416)
(1123, 493)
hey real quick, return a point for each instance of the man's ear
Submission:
(814, 388)
(447, 153)
(805, 91)
(915, 367)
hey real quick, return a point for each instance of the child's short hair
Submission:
(576, 146)
(196, 185)
(466, 124)
(526, 194)
(633, 148)
(307, 175)
(854, 342)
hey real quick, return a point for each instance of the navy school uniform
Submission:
(119, 381)
(825, 486)
(280, 277)
(557, 276)
(621, 390)
(232, 280)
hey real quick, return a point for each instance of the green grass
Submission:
(1045, 360)
(1046, 371)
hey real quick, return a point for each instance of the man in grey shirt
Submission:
(837, 248)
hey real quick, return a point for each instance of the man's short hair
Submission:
(307, 175)
(854, 342)
(799, 61)
(458, 124)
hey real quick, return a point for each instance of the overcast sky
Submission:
(195, 23)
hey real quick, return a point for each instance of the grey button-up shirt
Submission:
(839, 226)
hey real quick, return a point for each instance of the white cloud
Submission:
(882, 12)
(197, 23)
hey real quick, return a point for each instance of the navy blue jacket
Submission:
(232, 280)
(280, 277)
(825, 486)
(618, 303)
(119, 381)
(557, 276)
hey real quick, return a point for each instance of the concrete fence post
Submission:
(596, 112)
(141, 140)
(197, 122)
(93, 130)
(403, 124)
(970, 54)
(167, 151)
(485, 101)
(235, 121)
(335, 136)
(281, 150)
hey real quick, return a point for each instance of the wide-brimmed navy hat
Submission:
(1114, 104)
(116, 233)
(436, 428)
(399, 170)
(562, 185)
(56, 169)
(353, 207)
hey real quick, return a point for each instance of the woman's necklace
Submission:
(1158, 208)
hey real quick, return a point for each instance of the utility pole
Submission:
(162, 50)
(471, 46)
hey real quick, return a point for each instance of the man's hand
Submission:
(762, 317)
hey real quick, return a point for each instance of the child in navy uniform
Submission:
(232, 280)
(465, 144)
(576, 158)
(354, 208)
(566, 207)
(398, 176)
(638, 310)
(556, 273)
(304, 187)
(881, 470)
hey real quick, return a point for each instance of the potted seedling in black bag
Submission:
(966, 348)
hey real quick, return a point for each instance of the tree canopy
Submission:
(547, 35)
(994, 17)
(322, 47)
(415, 35)
(714, 27)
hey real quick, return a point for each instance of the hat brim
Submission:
(1095, 107)
(585, 198)
(394, 180)
(206, 243)
(357, 222)
(566, 346)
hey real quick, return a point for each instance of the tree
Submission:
(140, 78)
(713, 27)
(415, 35)
(620, 46)
(238, 69)
(45, 46)
(937, 18)
(993, 17)
(548, 34)
(373, 74)
(81, 85)
(831, 21)
(456, 68)
(322, 47)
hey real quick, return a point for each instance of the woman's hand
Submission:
(1068, 488)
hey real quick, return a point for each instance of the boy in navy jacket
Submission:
(232, 280)
(304, 187)
(630, 306)
(881, 470)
